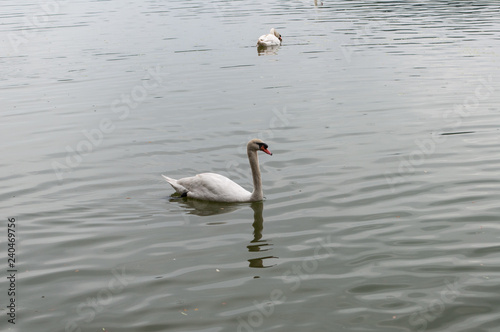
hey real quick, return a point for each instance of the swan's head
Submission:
(257, 144)
(274, 32)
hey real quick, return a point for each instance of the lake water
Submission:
(382, 195)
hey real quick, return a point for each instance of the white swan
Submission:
(271, 39)
(218, 188)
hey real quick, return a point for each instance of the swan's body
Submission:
(218, 188)
(271, 39)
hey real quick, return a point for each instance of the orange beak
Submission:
(266, 150)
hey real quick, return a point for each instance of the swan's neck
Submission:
(257, 194)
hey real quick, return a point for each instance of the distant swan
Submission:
(271, 39)
(218, 188)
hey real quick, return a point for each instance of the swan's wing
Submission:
(214, 187)
(268, 40)
(261, 40)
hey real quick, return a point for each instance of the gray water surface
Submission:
(381, 210)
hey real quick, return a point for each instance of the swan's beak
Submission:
(266, 150)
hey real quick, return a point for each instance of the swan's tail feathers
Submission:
(178, 188)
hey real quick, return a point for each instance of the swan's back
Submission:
(214, 187)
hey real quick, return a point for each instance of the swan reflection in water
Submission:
(257, 245)
(204, 208)
(267, 50)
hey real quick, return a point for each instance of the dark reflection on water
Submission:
(258, 244)
(258, 220)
